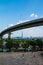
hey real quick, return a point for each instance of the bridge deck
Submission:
(28, 24)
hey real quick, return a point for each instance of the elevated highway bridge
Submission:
(27, 24)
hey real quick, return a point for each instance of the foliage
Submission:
(14, 43)
(1, 43)
(39, 43)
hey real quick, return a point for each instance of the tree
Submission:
(1, 43)
(16, 45)
(33, 43)
(39, 43)
(9, 44)
(25, 45)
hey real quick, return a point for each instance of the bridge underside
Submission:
(28, 24)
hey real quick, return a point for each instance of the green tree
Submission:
(1, 43)
(25, 45)
(33, 43)
(16, 45)
(39, 43)
(9, 44)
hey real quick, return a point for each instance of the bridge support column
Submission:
(9, 35)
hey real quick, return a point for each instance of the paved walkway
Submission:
(17, 58)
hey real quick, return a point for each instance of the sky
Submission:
(13, 12)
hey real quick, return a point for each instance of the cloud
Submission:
(33, 15)
(10, 25)
(21, 21)
(34, 32)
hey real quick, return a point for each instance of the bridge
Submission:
(27, 24)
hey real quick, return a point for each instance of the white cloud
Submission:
(34, 32)
(36, 15)
(33, 15)
(10, 25)
(21, 21)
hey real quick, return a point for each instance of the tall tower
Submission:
(22, 35)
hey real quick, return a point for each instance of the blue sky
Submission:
(16, 11)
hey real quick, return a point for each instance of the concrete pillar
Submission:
(9, 35)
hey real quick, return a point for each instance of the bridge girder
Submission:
(28, 24)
